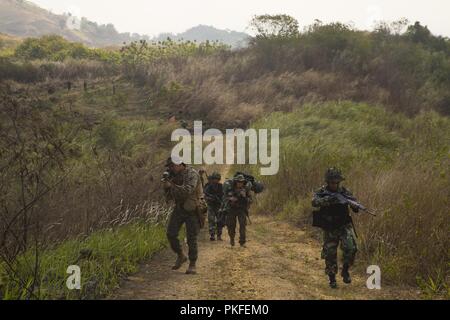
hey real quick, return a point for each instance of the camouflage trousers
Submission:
(215, 222)
(179, 217)
(234, 216)
(344, 236)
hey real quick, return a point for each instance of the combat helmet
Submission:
(334, 174)
(173, 160)
(239, 178)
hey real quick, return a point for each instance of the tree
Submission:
(275, 26)
(418, 33)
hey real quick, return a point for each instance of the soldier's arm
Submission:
(249, 198)
(226, 200)
(231, 196)
(320, 200)
(188, 187)
(207, 193)
(347, 193)
(226, 192)
(249, 193)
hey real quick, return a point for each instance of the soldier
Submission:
(237, 199)
(182, 184)
(337, 225)
(213, 196)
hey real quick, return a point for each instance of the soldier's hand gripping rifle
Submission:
(213, 198)
(166, 177)
(346, 200)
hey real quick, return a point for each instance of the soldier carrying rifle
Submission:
(332, 214)
(236, 203)
(213, 195)
(183, 185)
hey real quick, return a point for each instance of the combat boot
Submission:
(212, 238)
(232, 242)
(346, 274)
(192, 269)
(182, 259)
(333, 283)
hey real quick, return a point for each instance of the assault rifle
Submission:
(167, 176)
(213, 197)
(342, 199)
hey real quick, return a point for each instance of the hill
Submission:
(202, 33)
(22, 18)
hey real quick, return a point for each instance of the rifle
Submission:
(167, 176)
(213, 197)
(346, 200)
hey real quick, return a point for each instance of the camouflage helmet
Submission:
(334, 174)
(239, 178)
(215, 176)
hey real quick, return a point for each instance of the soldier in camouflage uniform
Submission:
(236, 201)
(185, 188)
(339, 230)
(213, 195)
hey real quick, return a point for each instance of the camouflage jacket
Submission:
(243, 196)
(323, 197)
(213, 194)
(325, 203)
(186, 189)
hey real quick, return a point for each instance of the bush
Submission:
(56, 48)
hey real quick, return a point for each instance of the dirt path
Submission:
(280, 262)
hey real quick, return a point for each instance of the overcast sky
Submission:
(153, 17)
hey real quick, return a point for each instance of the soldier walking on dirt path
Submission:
(333, 216)
(183, 185)
(236, 203)
(213, 195)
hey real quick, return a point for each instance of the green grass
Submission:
(115, 254)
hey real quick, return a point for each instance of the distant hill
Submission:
(202, 33)
(23, 18)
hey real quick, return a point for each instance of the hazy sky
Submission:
(153, 17)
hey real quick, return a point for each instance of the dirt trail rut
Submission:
(280, 262)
